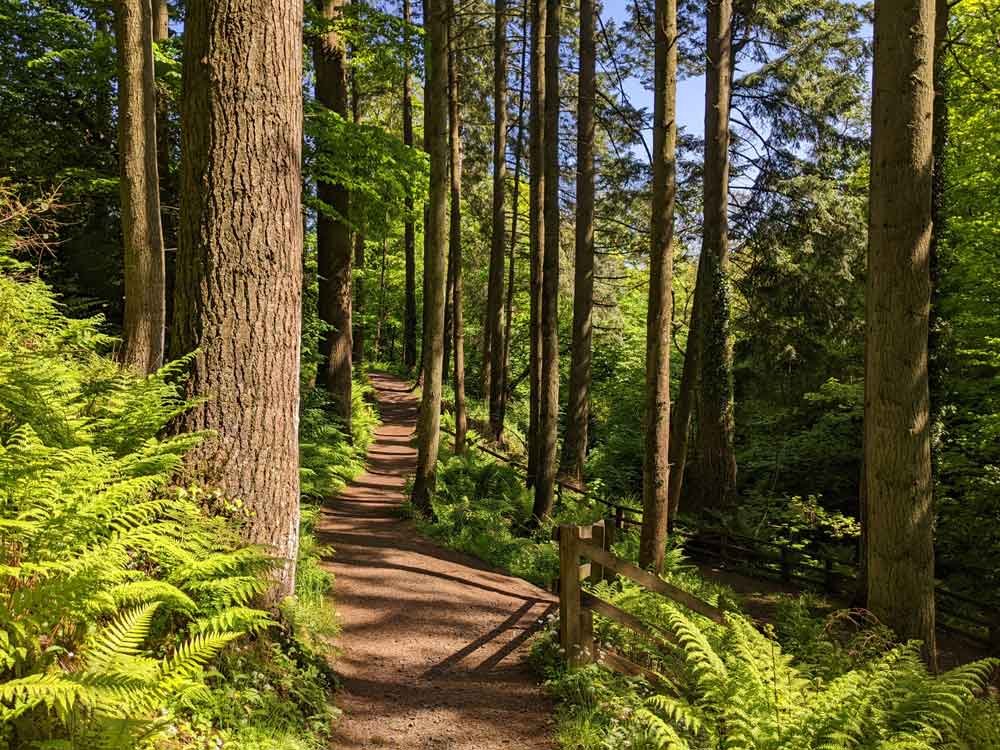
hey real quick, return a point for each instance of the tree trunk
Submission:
(435, 256)
(656, 466)
(577, 409)
(680, 419)
(455, 232)
(161, 33)
(548, 407)
(493, 349)
(509, 304)
(358, 335)
(409, 232)
(715, 407)
(897, 429)
(239, 263)
(333, 235)
(380, 324)
(145, 306)
(536, 227)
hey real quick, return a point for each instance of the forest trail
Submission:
(433, 644)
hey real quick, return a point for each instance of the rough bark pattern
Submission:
(145, 305)
(455, 232)
(536, 227)
(239, 263)
(493, 349)
(897, 427)
(409, 231)
(333, 235)
(656, 466)
(717, 468)
(577, 412)
(435, 251)
(161, 33)
(548, 407)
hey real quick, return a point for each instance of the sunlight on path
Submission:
(433, 643)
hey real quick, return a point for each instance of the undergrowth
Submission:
(127, 615)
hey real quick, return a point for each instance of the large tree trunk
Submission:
(656, 466)
(548, 407)
(455, 232)
(493, 349)
(717, 469)
(436, 248)
(409, 232)
(509, 304)
(680, 418)
(577, 409)
(333, 235)
(145, 306)
(239, 263)
(900, 508)
(536, 227)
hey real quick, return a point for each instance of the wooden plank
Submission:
(586, 652)
(660, 637)
(649, 581)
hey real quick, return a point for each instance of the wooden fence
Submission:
(577, 607)
(976, 619)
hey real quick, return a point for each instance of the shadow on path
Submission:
(433, 641)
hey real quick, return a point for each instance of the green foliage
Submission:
(732, 686)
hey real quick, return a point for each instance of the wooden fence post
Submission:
(597, 535)
(569, 591)
(619, 517)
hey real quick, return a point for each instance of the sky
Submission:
(690, 91)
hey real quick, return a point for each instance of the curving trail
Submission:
(433, 642)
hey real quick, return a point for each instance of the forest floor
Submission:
(433, 643)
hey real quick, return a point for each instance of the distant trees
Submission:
(656, 466)
(239, 263)
(455, 231)
(409, 230)
(333, 234)
(899, 493)
(716, 428)
(548, 407)
(145, 304)
(578, 401)
(436, 249)
(494, 344)
(536, 226)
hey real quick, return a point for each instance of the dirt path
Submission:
(433, 642)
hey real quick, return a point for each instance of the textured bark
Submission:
(680, 418)
(536, 227)
(455, 232)
(548, 407)
(145, 305)
(900, 508)
(577, 408)
(239, 263)
(509, 304)
(717, 469)
(656, 465)
(493, 349)
(333, 236)
(358, 336)
(436, 248)
(409, 232)
(161, 33)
